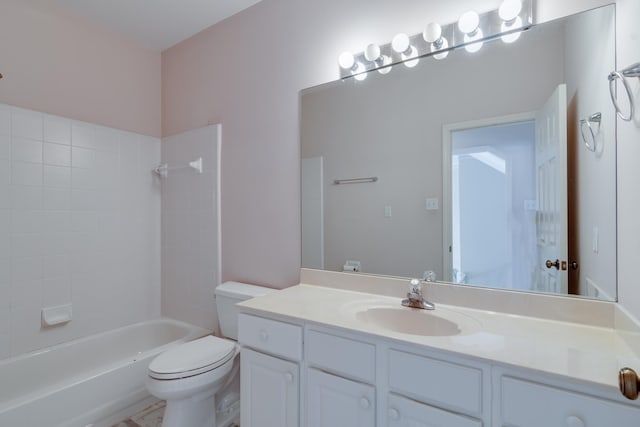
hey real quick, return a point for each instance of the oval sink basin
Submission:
(414, 321)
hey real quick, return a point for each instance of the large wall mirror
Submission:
(495, 168)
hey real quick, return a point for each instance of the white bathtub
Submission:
(89, 381)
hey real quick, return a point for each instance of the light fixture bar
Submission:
(506, 22)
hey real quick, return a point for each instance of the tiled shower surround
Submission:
(79, 223)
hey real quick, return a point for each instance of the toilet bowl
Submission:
(199, 379)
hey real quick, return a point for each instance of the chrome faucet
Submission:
(415, 298)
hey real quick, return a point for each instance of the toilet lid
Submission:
(192, 358)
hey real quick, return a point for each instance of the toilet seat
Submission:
(192, 358)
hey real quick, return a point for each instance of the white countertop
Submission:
(581, 352)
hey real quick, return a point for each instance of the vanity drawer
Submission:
(343, 356)
(405, 412)
(434, 381)
(270, 336)
(528, 404)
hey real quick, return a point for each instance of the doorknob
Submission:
(555, 264)
(628, 381)
(574, 265)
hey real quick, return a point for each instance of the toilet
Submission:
(200, 379)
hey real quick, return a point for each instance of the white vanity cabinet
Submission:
(270, 372)
(315, 375)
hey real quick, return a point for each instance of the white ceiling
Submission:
(156, 24)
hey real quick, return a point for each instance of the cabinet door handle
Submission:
(288, 377)
(394, 414)
(574, 421)
(264, 335)
(364, 403)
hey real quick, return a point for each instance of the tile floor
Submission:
(152, 417)
(149, 417)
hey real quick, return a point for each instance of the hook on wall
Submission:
(588, 132)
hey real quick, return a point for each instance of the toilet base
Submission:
(195, 411)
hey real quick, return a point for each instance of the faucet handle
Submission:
(429, 276)
(415, 287)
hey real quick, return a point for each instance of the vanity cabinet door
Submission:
(404, 412)
(337, 402)
(269, 390)
(528, 404)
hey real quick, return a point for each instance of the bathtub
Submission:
(96, 380)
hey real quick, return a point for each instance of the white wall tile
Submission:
(25, 327)
(84, 222)
(5, 120)
(57, 266)
(56, 291)
(82, 157)
(26, 150)
(5, 332)
(24, 269)
(190, 268)
(5, 172)
(5, 146)
(55, 243)
(84, 179)
(5, 197)
(23, 173)
(107, 139)
(26, 198)
(75, 226)
(57, 130)
(26, 124)
(5, 245)
(5, 283)
(26, 245)
(56, 221)
(26, 292)
(5, 220)
(55, 199)
(26, 221)
(57, 154)
(56, 176)
(83, 135)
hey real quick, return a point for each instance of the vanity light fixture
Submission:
(471, 31)
(509, 12)
(432, 34)
(402, 45)
(469, 25)
(372, 53)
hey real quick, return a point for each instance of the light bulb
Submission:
(400, 43)
(410, 59)
(468, 22)
(474, 47)
(510, 9)
(443, 45)
(432, 32)
(359, 72)
(372, 52)
(346, 60)
(510, 38)
(386, 60)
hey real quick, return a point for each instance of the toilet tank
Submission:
(228, 295)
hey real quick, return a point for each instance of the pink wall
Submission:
(60, 64)
(246, 73)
